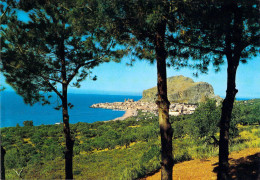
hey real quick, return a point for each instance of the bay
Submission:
(14, 111)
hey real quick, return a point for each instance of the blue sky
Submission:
(118, 78)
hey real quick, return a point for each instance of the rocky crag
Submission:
(183, 90)
(183, 93)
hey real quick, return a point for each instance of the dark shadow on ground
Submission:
(246, 168)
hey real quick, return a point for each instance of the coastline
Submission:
(131, 107)
(128, 113)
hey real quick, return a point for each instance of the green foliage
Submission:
(179, 126)
(12, 159)
(126, 149)
(136, 24)
(211, 30)
(154, 151)
(57, 47)
(205, 120)
(28, 123)
(203, 124)
(53, 47)
(247, 112)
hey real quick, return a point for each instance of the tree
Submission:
(2, 163)
(143, 26)
(219, 29)
(205, 120)
(52, 51)
(28, 123)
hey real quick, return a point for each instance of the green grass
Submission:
(130, 163)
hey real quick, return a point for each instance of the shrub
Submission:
(28, 123)
(205, 120)
(154, 151)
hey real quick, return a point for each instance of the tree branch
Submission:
(251, 40)
(76, 7)
(196, 47)
(46, 80)
(75, 72)
(52, 87)
(4, 13)
(51, 79)
(19, 174)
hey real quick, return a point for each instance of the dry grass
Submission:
(204, 169)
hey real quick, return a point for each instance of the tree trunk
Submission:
(2, 163)
(233, 55)
(69, 140)
(227, 107)
(163, 105)
(66, 126)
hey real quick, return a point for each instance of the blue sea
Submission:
(243, 99)
(14, 111)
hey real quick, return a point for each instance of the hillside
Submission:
(128, 149)
(244, 165)
(183, 89)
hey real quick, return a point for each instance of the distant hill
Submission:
(183, 89)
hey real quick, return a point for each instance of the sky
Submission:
(118, 78)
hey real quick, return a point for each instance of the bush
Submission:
(183, 156)
(205, 120)
(28, 123)
(179, 129)
(247, 112)
(154, 151)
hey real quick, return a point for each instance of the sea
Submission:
(14, 111)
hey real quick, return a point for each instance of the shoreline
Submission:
(131, 107)
(128, 113)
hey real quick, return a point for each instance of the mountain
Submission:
(183, 89)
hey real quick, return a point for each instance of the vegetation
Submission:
(221, 29)
(146, 25)
(64, 40)
(51, 52)
(2, 163)
(124, 149)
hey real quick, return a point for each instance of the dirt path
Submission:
(244, 165)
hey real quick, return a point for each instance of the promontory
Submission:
(183, 89)
(183, 93)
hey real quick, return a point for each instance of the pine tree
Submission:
(2, 167)
(52, 51)
(212, 30)
(143, 27)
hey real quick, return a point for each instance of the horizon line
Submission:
(122, 93)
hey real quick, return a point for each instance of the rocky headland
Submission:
(183, 89)
(183, 93)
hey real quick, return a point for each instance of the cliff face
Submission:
(183, 90)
